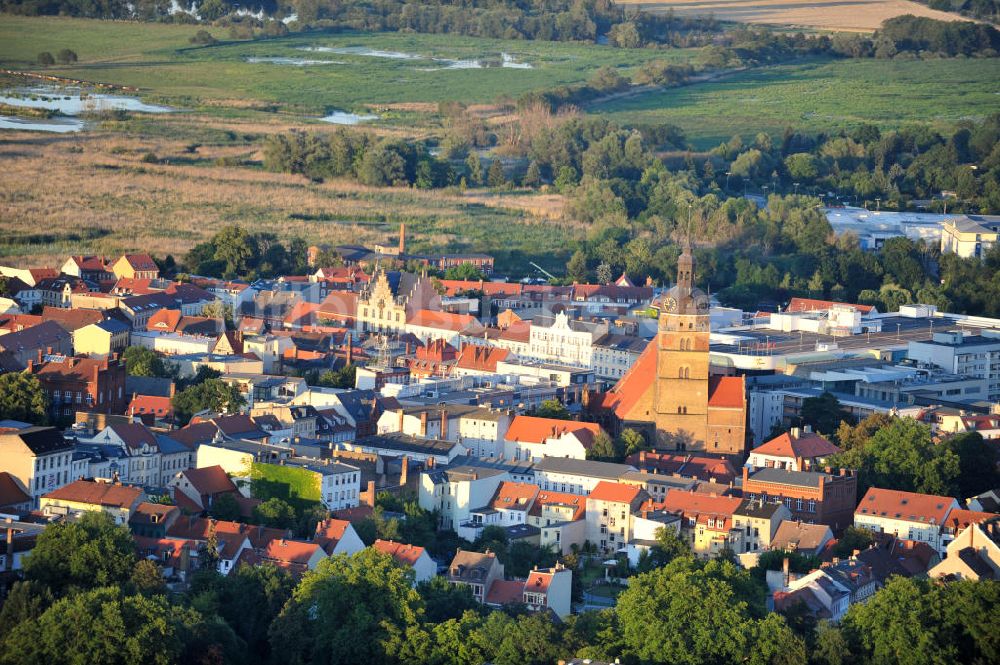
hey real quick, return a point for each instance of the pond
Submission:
(504, 60)
(345, 118)
(74, 101)
(297, 62)
(57, 125)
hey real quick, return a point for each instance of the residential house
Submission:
(91, 268)
(560, 517)
(549, 589)
(610, 507)
(707, 521)
(575, 476)
(907, 515)
(40, 459)
(104, 338)
(454, 493)
(796, 450)
(46, 338)
(974, 554)
(529, 437)
(151, 520)
(476, 570)
(614, 354)
(337, 537)
(646, 527)
(508, 507)
(811, 496)
(195, 490)
(397, 445)
(410, 556)
(564, 340)
(802, 537)
(82, 496)
(135, 266)
(93, 385)
(140, 445)
(759, 522)
(684, 465)
(13, 499)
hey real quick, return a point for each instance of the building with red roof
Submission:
(13, 499)
(136, 266)
(530, 437)
(409, 556)
(906, 515)
(94, 385)
(797, 450)
(610, 507)
(670, 392)
(117, 500)
(337, 536)
(195, 490)
(813, 305)
(699, 467)
(474, 359)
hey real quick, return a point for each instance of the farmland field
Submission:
(839, 15)
(822, 95)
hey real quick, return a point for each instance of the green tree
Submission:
(45, 59)
(474, 169)
(66, 56)
(669, 546)
(225, 507)
(533, 176)
(91, 552)
(976, 462)
(98, 626)
(235, 249)
(603, 448)
(274, 513)
(576, 267)
(444, 601)
(495, 177)
(857, 436)
(830, 647)
(147, 578)
(632, 441)
(22, 398)
(349, 610)
(902, 456)
(212, 395)
(823, 413)
(26, 601)
(552, 408)
(853, 538)
(140, 361)
(249, 599)
(464, 271)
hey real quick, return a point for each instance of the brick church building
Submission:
(669, 392)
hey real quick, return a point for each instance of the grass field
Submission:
(159, 60)
(822, 95)
(836, 15)
(93, 193)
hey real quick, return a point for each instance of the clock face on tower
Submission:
(670, 304)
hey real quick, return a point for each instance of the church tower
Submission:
(681, 391)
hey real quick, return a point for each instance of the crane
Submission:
(543, 270)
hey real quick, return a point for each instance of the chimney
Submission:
(642, 457)
(430, 462)
(786, 576)
(9, 559)
(400, 412)
(350, 349)
(794, 432)
(444, 425)
(404, 473)
(423, 423)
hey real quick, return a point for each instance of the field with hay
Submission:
(833, 15)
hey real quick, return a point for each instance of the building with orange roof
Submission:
(410, 556)
(610, 507)
(561, 520)
(151, 409)
(295, 556)
(707, 521)
(974, 554)
(813, 305)
(508, 506)
(476, 360)
(80, 496)
(196, 490)
(337, 536)
(530, 437)
(698, 467)
(669, 392)
(136, 266)
(427, 325)
(906, 515)
(796, 450)
(12, 497)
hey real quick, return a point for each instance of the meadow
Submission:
(821, 95)
(832, 15)
(160, 61)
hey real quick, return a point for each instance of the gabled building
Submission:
(974, 554)
(196, 490)
(40, 459)
(707, 521)
(821, 497)
(476, 570)
(136, 266)
(409, 556)
(94, 385)
(530, 437)
(80, 496)
(46, 338)
(574, 476)
(610, 507)
(337, 537)
(906, 515)
(796, 450)
(802, 537)
(140, 445)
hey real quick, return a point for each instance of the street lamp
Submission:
(878, 204)
(796, 188)
(728, 173)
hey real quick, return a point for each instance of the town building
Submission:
(386, 302)
(103, 338)
(94, 385)
(974, 554)
(610, 507)
(40, 459)
(906, 515)
(614, 354)
(82, 496)
(530, 437)
(410, 556)
(337, 537)
(962, 353)
(800, 449)
(564, 340)
(135, 266)
(575, 476)
(969, 235)
(802, 537)
(821, 497)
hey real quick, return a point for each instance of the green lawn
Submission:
(822, 95)
(160, 60)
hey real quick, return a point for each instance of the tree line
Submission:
(86, 596)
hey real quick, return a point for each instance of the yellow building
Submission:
(102, 338)
(38, 458)
(969, 235)
(83, 496)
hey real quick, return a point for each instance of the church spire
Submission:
(685, 268)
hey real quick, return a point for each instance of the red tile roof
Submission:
(98, 494)
(281, 550)
(959, 519)
(161, 407)
(454, 286)
(210, 480)
(693, 504)
(726, 392)
(428, 318)
(141, 261)
(545, 498)
(530, 429)
(329, 532)
(135, 435)
(807, 445)
(481, 358)
(690, 466)
(401, 552)
(505, 592)
(538, 581)
(514, 496)
(616, 492)
(518, 331)
(812, 305)
(11, 493)
(905, 506)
